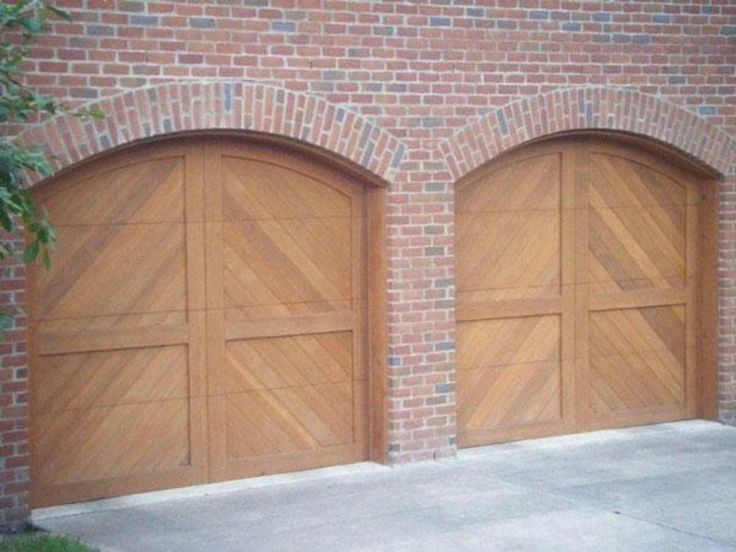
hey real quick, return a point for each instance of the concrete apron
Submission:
(662, 487)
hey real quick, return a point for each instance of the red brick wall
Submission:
(418, 92)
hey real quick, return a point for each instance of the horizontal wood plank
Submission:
(61, 341)
(512, 308)
(637, 298)
(295, 325)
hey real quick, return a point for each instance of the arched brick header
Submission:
(588, 108)
(196, 106)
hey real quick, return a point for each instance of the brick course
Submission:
(419, 93)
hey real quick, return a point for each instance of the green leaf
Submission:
(7, 224)
(31, 252)
(46, 258)
(18, 103)
(6, 322)
(61, 14)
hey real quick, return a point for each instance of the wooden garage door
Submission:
(577, 292)
(202, 321)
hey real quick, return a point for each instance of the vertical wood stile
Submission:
(581, 164)
(567, 289)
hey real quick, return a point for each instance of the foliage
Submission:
(37, 542)
(20, 23)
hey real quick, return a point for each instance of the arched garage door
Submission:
(577, 264)
(203, 320)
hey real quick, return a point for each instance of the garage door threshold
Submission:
(39, 515)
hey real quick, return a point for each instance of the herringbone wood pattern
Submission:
(147, 376)
(576, 303)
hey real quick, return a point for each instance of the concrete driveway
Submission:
(665, 487)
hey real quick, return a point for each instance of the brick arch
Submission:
(199, 106)
(613, 109)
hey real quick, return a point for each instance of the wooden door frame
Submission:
(376, 271)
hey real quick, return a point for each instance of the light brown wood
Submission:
(114, 348)
(286, 278)
(377, 342)
(708, 300)
(642, 239)
(581, 291)
(512, 311)
(205, 319)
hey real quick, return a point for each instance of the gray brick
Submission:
(539, 15)
(398, 156)
(602, 17)
(228, 97)
(444, 387)
(84, 92)
(365, 160)
(144, 20)
(443, 283)
(434, 187)
(728, 30)
(100, 30)
(322, 87)
(432, 122)
(506, 24)
(707, 110)
(202, 22)
(283, 26)
(676, 79)
(434, 251)
(445, 346)
(475, 12)
(365, 135)
(662, 18)
(130, 6)
(572, 26)
(439, 22)
(333, 75)
(642, 39)
(295, 15)
(502, 124)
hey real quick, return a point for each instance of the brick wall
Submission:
(418, 92)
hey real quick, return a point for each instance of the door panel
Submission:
(641, 298)
(203, 320)
(117, 360)
(577, 291)
(285, 242)
(514, 300)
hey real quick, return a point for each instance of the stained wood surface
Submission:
(577, 292)
(204, 319)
